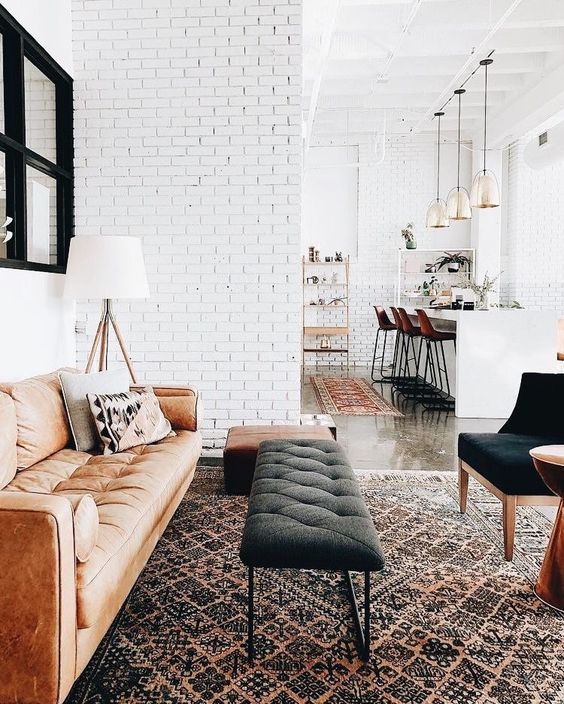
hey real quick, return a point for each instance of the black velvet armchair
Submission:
(501, 461)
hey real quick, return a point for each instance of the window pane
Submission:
(6, 228)
(40, 126)
(41, 217)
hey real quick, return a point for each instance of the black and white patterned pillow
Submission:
(128, 419)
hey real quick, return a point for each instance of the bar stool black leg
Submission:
(374, 355)
(250, 616)
(445, 369)
(384, 378)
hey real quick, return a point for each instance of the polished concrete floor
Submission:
(421, 440)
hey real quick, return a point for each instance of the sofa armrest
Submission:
(180, 404)
(37, 598)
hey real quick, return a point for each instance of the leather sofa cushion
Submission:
(41, 417)
(86, 523)
(180, 404)
(132, 490)
(8, 439)
(503, 459)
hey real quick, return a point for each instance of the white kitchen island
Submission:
(493, 349)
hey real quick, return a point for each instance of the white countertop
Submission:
(448, 314)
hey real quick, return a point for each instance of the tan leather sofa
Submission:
(55, 610)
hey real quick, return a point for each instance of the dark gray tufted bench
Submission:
(306, 512)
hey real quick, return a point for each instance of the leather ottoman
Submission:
(240, 452)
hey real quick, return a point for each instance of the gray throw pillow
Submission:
(75, 389)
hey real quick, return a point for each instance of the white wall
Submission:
(390, 195)
(532, 246)
(37, 324)
(329, 200)
(49, 22)
(188, 135)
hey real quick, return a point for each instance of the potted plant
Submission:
(482, 291)
(453, 261)
(409, 236)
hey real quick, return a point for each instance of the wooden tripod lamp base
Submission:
(102, 339)
(106, 268)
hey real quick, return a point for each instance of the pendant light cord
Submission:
(485, 113)
(439, 158)
(458, 164)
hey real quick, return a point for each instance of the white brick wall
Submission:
(390, 195)
(532, 246)
(188, 135)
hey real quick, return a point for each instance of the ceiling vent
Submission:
(546, 149)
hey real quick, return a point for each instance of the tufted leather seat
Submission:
(60, 608)
(306, 510)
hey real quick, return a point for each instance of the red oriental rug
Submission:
(350, 397)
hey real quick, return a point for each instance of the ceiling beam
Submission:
(528, 110)
(479, 52)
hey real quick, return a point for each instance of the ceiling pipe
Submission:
(326, 38)
(404, 30)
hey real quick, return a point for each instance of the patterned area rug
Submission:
(453, 623)
(350, 397)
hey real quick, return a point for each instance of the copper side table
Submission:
(549, 463)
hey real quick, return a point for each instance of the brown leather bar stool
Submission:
(549, 463)
(406, 382)
(434, 342)
(385, 325)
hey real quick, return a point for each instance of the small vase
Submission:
(411, 244)
(453, 268)
(483, 301)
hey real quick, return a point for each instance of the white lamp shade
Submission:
(485, 191)
(437, 214)
(458, 204)
(106, 267)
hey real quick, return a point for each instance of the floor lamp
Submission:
(106, 268)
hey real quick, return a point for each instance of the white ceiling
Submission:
(373, 62)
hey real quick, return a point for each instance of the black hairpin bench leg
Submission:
(250, 643)
(363, 633)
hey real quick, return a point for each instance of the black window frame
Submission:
(17, 45)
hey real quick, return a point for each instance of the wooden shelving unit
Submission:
(333, 283)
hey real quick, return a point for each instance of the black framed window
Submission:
(36, 153)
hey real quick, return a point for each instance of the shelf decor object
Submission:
(413, 273)
(326, 308)
(458, 201)
(485, 189)
(106, 267)
(409, 236)
(437, 210)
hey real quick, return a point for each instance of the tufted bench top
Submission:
(306, 510)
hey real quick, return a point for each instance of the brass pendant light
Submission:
(485, 189)
(437, 211)
(458, 201)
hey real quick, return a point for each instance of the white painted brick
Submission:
(187, 127)
(532, 252)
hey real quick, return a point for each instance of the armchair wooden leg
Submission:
(509, 508)
(462, 487)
